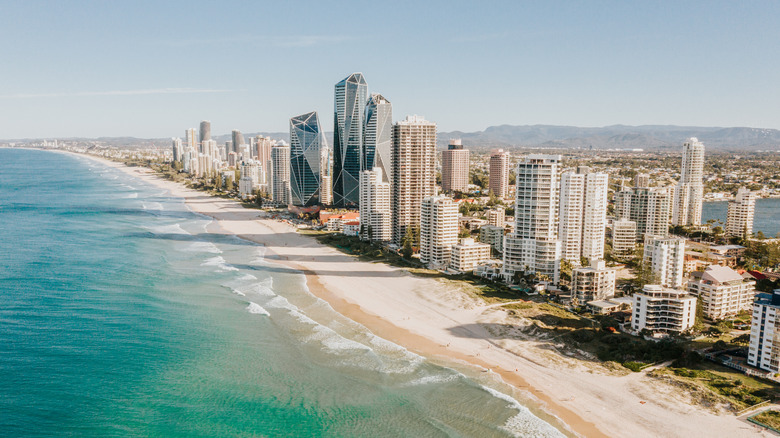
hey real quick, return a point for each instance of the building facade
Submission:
(721, 291)
(351, 94)
(375, 213)
(533, 246)
(764, 349)
(438, 231)
(467, 254)
(582, 223)
(592, 283)
(623, 237)
(306, 144)
(455, 168)
(662, 310)
(498, 177)
(666, 258)
(414, 171)
(378, 136)
(739, 220)
(280, 174)
(649, 207)
(689, 192)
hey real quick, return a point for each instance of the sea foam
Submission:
(257, 309)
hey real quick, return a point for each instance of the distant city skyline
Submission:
(146, 70)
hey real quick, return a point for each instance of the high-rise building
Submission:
(662, 310)
(623, 237)
(583, 215)
(649, 207)
(533, 246)
(280, 171)
(721, 291)
(191, 139)
(455, 167)
(178, 150)
(414, 171)
(641, 180)
(498, 178)
(765, 332)
(238, 140)
(438, 231)
(378, 136)
(262, 151)
(496, 217)
(689, 192)
(306, 144)
(739, 220)
(375, 216)
(350, 101)
(593, 283)
(666, 258)
(205, 131)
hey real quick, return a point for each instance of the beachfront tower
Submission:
(533, 247)
(414, 171)
(583, 215)
(375, 216)
(306, 144)
(438, 231)
(280, 174)
(689, 192)
(349, 111)
(378, 136)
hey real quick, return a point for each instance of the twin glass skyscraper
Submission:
(306, 159)
(361, 139)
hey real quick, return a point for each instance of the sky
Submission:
(152, 69)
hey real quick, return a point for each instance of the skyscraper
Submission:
(238, 140)
(178, 150)
(378, 136)
(375, 216)
(280, 179)
(263, 153)
(498, 180)
(649, 207)
(666, 258)
(306, 144)
(438, 231)
(191, 139)
(455, 167)
(349, 111)
(739, 220)
(414, 171)
(533, 247)
(205, 131)
(689, 192)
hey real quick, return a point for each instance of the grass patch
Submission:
(740, 390)
(769, 418)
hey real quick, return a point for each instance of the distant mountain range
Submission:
(648, 137)
(615, 137)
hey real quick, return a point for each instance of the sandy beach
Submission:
(431, 318)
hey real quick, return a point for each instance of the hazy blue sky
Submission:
(152, 69)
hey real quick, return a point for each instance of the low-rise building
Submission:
(722, 291)
(467, 254)
(610, 306)
(593, 283)
(350, 228)
(663, 310)
(764, 350)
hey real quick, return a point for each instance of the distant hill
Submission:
(648, 137)
(615, 137)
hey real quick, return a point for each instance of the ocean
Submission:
(123, 314)
(766, 218)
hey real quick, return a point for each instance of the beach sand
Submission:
(432, 318)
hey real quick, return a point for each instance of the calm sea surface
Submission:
(122, 315)
(766, 219)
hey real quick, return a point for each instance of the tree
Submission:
(565, 270)
(463, 233)
(407, 247)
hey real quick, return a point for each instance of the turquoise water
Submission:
(766, 217)
(124, 314)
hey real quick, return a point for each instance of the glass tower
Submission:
(350, 101)
(306, 144)
(378, 136)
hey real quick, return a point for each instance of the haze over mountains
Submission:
(648, 137)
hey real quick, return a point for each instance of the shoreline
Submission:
(418, 314)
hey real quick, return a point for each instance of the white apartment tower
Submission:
(649, 207)
(375, 217)
(739, 221)
(414, 171)
(455, 167)
(662, 310)
(764, 350)
(722, 291)
(280, 170)
(596, 282)
(623, 237)
(178, 150)
(666, 258)
(583, 215)
(533, 247)
(498, 178)
(191, 139)
(689, 192)
(438, 231)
